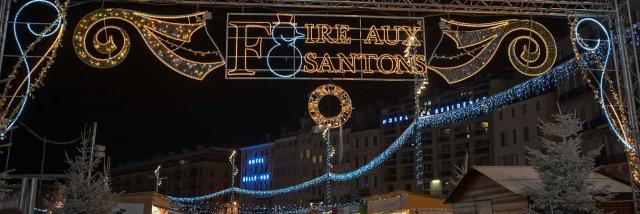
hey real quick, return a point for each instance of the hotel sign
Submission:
(342, 47)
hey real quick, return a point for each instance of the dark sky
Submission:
(144, 108)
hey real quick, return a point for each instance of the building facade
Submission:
(443, 147)
(300, 157)
(515, 127)
(186, 174)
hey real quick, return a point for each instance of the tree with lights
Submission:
(88, 191)
(563, 170)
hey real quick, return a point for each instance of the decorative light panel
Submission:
(345, 106)
(14, 97)
(488, 37)
(156, 31)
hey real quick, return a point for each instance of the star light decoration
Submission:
(14, 98)
(156, 31)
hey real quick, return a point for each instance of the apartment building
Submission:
(515, 127)
(443, 146)
(188, 173)
(300, 156)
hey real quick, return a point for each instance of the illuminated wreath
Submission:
(345, 106)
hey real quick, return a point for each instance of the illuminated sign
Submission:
(395, 119)
(445, 108)
(253, 178)
(253, 161)
(306, 46)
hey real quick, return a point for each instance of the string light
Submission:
(612, 107)
(345, 106)
(11, 111)
(152, 28)
(329, 152)
(492, 35)
(286, 43)
(529, 88)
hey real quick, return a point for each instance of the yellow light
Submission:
(492, 35)
(345, 106)
(152, 29)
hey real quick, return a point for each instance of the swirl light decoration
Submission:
(14, 98)
(488, 37)
(599, 49)
(155, 30)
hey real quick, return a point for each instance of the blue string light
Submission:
(607, 48)
(23, 55)
(527, 89)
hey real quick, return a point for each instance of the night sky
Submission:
(144, 108)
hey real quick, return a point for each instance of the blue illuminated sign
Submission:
(257, 160)
(395, 119)
(254, 178)
(443, 109)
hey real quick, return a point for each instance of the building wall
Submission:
(190, 173)
(443, 147)
(515, 128)
(484, 196)
(301, 157)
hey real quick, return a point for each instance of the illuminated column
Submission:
(326, 136)
(409, 52)
(234, 172)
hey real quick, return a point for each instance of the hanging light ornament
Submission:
(153, 29)
(15, 98)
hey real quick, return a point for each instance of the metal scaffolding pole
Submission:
(5, 10)
(561, 8)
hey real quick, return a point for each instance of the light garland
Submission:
(529, 88)
(492, 34)
(612, 107)
(329, 152)
(218, 207)
(152, 28)
(13, 107)
(345, 106)
(411, 49)
(234, 170)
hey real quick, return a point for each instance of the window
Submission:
(500, 115)
(301, 155)
(366, 142)
(357, 143)
(525, 134)
(502, 140)
(375, 140)
(308, 154)
(313, 159)
(524, 109)
(515, 136)
(375, 182)
(538, 106)
(513, 112)
(357, 161)
(407, 187)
